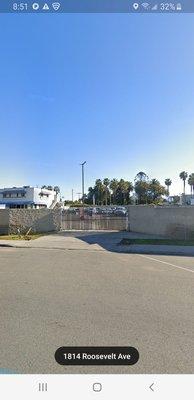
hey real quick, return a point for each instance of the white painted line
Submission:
(165, 262)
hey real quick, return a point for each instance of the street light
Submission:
(82, 165)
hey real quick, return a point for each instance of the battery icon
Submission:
(179, 7)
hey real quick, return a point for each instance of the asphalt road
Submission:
(85, 295)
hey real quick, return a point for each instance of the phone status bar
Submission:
(96, 6)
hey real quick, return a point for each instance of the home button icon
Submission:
(97, 387)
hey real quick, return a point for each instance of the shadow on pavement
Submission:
(110, 241)
(6, 245)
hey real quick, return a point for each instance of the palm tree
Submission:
(126, 187)
(168, 183)
(99, 189)
(106, 183)
(113, 186)
(191, 182)
(123, 186)
(183, 175)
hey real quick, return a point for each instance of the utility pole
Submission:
(82, 165)
(79, 194)
(72, 195)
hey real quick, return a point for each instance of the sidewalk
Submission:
(51, 241)
(98, 241)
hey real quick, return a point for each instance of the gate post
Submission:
(61, 220)
(127, 220)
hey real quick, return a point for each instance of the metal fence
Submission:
(95, 218)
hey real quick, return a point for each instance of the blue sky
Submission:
(116, 90)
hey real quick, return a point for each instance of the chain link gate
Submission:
(95, 218)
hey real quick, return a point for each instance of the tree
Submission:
(123, 192)
(141, 187)
(106, 183)
(102, 191)
(113, 186)
(96, 192)
(149, 191)
(168, 183)
(99, 189)
(57, 189)
(127, 189)
(183, 175)
(48, 187)
(191, 182)
(141, 190)
(141, 176)
(156, 191)
(90, 195)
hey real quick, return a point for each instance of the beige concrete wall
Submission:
(4, 221)
(172, 221)
(38, 220)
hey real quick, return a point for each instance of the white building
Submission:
(184, 199)
(187, 199)
(27, 197)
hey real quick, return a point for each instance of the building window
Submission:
(13, 195)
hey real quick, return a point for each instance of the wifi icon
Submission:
(56, 6)
(145, 6)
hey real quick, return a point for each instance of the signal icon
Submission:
(56, 6)
(145, 6)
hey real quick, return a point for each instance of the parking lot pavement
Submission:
(86, 296)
